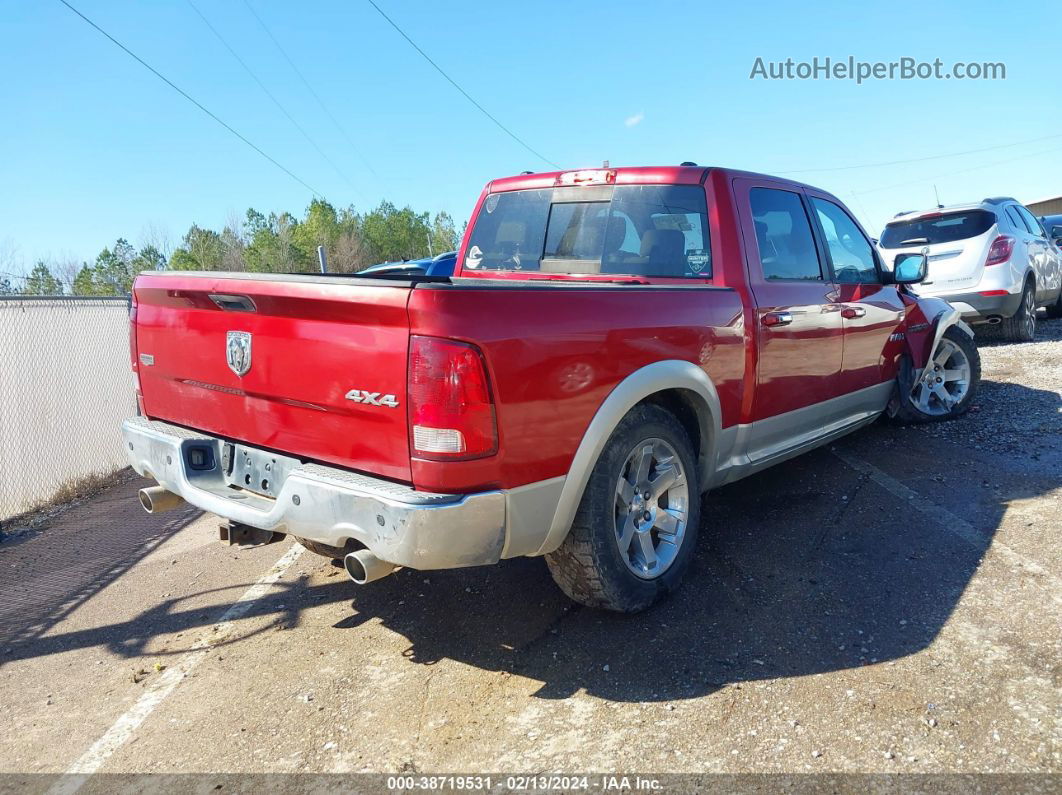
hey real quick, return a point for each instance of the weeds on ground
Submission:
(70, 492)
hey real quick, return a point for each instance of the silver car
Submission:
(992, 261)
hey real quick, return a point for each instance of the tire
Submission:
(589, 565)
(916, 407)
(1022, 326)
(324, 550)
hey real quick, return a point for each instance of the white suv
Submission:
(992, 261)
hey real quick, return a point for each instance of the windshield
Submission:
(641, 230)
(937, 229)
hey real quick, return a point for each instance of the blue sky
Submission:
(95, 147)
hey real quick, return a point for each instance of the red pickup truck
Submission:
(613, 343)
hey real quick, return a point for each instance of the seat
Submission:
(664, 251)
(614, 259)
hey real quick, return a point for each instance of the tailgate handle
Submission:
(233, 303)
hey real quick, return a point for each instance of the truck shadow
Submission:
(807, 568)
(57, 569)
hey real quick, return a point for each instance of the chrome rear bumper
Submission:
(325, 504)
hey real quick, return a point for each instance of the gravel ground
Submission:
(887, 605)
(1017, 410)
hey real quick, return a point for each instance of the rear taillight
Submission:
(451, 409)
(133, 359)
(1000, 250)
(132, 335)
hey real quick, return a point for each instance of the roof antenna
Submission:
(935, 193)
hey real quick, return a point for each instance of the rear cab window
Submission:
(937, 228)
(635, 230)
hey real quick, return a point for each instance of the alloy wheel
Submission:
(652, 503)
(946, 381)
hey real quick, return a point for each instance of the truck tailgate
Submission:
(311, 341)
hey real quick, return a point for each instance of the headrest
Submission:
(663, 243)
(615, 234)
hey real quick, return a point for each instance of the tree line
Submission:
(276, 243)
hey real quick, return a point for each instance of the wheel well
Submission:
(688, 408)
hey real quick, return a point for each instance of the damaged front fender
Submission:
(927, 320)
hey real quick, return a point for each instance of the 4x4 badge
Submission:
(238, 351)
(372, 398)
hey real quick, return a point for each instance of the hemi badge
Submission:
(147, 359)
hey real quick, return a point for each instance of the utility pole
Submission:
(322, 258)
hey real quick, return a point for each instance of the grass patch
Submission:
(71, 492)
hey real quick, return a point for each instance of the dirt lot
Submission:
(888, 604)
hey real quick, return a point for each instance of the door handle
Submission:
(852, 312)
(772, 319)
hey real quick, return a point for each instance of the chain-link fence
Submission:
(65, 386)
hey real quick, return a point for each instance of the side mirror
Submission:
(1056, 231)
(909, 268)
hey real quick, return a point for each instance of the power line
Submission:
(269, 94)
(309, 88)
(187, 96)
(464, 93)
(961, 171)
(920, 159)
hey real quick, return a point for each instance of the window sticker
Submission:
(491, 202)
(697, 259)
(474, 257)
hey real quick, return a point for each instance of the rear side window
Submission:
(641, 230)
(1030, 221)
(850, 251)
(783, 234)
(943, 228)
(1016, 219)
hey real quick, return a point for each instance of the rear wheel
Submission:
(947, 388)
(1022, 326)
(634, 533)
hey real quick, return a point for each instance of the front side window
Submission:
(641, 230)
(850, 251)
(783, 234)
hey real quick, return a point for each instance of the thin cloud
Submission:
(631, 121)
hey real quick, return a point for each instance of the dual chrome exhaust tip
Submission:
(156, 499)
(364, 567)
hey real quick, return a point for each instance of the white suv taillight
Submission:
(451, 408)
(1000, 250)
